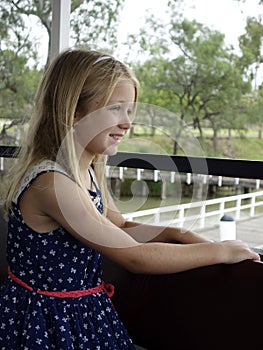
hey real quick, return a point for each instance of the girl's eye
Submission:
(118, 108)
(115, 108)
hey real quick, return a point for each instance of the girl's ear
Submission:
(83, 111)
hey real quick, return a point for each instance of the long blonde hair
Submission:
(74, 79)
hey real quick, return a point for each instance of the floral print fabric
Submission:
(55, 261)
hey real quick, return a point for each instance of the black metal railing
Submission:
(250, 169)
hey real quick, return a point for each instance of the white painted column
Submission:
(60, 26)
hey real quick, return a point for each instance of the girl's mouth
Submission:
(116, 137)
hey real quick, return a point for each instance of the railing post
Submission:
(139, 174)
(238, 205)
(202, 216)
(205, 179)
(107, 171)
(181, 217)
(121, 173)
(155, 175)
(252, 203)
(188, 178)
(157, 218)
(221, 208)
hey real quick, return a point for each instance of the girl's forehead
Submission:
(123, 92)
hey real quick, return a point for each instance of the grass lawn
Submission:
(246, 146)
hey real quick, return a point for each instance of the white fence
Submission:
(202, 214)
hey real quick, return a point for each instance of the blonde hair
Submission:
(74, 79)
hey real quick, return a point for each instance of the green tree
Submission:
(18, 73)
(251, 45)
(151, 75)
(198, 77)
(253, 104)
(210, 84)
(92, 21)
(18, 83)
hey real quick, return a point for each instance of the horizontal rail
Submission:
(240, 168)
(8, 151)
(172, 177)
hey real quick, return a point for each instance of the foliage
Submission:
(17, 86)
(198, 80)
(253, 109)
(18, 76)
(92, 21)
(251, 45)
(189, 78)
(206, 82)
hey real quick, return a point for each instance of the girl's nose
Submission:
(125, 122)
(125, 125)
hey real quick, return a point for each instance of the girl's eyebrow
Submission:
(120, 101)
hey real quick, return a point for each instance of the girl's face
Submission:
(101, 130)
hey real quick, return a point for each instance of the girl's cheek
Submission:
(94, 124)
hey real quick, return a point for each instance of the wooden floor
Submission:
(248, 230)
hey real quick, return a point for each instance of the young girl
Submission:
(62, 219)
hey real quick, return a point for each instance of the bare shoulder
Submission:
(39, 200)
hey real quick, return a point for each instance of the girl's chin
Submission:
(111, 151)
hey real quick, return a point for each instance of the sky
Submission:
(227, 16)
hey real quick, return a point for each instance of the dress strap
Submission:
(93, 179)
(32, 173)
(95, 194)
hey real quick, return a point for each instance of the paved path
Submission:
(248, 230)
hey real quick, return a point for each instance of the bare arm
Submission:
(151, 233)
(69, 206)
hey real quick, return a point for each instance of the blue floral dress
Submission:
(54, 261)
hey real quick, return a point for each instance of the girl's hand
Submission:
(236, 251)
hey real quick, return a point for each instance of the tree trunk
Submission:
(131, 133)
(175, 148)
(215, 145)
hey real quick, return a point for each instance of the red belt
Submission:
(106, 287)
